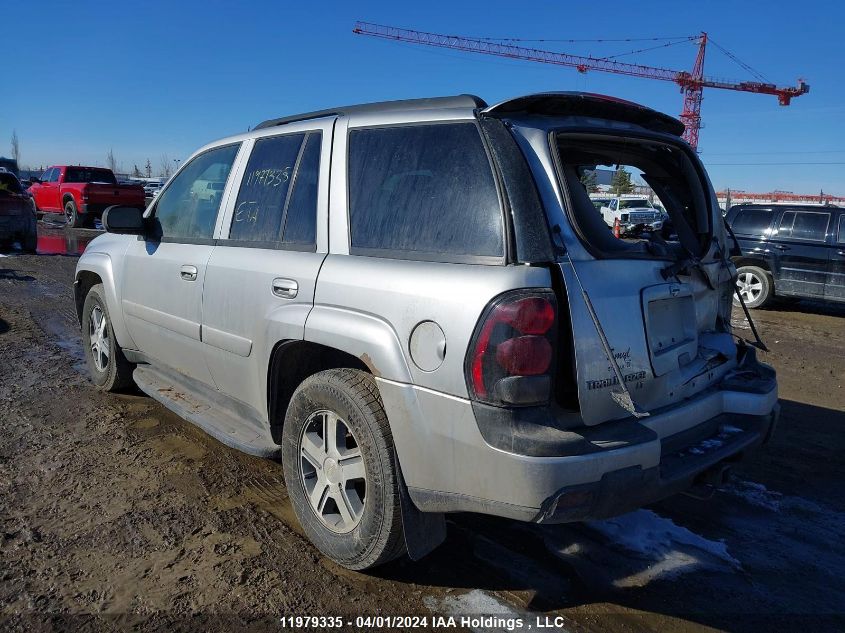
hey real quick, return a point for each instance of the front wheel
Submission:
(340, 469)
(755, 286)
(110, 371)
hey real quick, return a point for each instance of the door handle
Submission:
(780, 247)
(188, 273)
(285, 288)
(840, 253)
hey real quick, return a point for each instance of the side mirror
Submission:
(128, 220)
(34, 179)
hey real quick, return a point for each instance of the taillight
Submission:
(511, 357)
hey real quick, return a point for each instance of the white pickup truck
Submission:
(630, 211)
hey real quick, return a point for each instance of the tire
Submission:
(73, 218)
(368, 532)
(110, 371)
(755, 285)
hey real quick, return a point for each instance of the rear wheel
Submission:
(110, 371)
(340, 469)
(72, 217)
(755, 285)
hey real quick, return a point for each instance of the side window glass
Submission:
(188, 207)
(301, 217)
(426, 191)
(786, 222)
(810, 226)
(265, 188)
(842, 229)
(51, 175)
(752, 222)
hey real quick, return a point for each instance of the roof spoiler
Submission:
(430, 103)
(560, 104)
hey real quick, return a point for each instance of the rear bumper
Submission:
(683, 462)
(451, 463)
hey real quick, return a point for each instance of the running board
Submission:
(207, 411)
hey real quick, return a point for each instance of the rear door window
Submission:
(842, 229)
(277, 201)
(804, 225)
(423, 192)
(752, 222)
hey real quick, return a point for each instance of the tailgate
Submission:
(662, 335)
(115, 194)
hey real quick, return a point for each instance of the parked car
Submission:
(634, 214)
(10, 164)
(17, 213)
(789, 251)
(82, 193)
(396, 300)
(151, 188)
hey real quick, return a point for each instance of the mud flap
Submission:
(424, 531)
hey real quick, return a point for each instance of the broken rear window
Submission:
(659, 200)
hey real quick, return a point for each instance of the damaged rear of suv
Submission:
(417, 306)
(651, 394)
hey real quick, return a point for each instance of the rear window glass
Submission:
(752, 221)
(82, 174)
(642, 174)
(10, 184)
(842, 229)
(423, 191)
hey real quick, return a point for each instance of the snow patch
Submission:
(668, 550)
(758, 495)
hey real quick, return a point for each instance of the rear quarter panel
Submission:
(370, 307)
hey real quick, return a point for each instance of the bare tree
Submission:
(148, 168)
(16, 147)
(111, 161)
(165, 166)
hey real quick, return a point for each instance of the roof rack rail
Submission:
(431, 103)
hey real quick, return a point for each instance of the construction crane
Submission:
(692, 83)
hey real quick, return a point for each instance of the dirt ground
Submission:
(116, 514)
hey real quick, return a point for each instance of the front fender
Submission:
(101, 265)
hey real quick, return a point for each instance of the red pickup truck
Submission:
(82, 193)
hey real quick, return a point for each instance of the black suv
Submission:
(789, 250)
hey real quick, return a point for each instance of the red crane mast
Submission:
(691, 83)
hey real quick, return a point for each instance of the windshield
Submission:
(657, 169)
(88, 174)
(634, 204)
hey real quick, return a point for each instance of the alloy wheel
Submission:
(750, 286)
(98, 332)
(332, 471)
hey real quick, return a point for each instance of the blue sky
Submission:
(155, 78)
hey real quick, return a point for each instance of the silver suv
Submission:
(416, 306)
